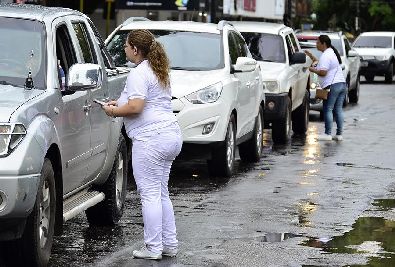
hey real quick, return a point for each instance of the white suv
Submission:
(285, 74)
(377, 50)
(216, 87)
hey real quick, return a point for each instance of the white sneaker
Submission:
(144, 253)
(338, 138)
(169, 252)
(324, 137)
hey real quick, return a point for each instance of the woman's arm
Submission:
(133, 107)
(318, 72)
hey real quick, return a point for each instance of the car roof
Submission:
(313, 35)
(256, 26)
(34, 12)
(172, 25)
(378, 34)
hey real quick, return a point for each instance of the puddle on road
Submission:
(384, 204)
(372, 236)
(278, 237)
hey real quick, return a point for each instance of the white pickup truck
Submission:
(285, 76)
(60, 154)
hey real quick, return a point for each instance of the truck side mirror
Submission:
(297, 58)
(83, 77)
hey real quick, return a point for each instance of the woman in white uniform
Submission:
(145, 104)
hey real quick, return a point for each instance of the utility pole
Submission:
(213, 11)
(357, 18)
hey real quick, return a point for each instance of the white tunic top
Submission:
(328, 61)
(157, 114)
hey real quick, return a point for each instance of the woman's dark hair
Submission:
(145, 41)
(324, 39)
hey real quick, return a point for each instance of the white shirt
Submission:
(328, 61)
(157, 114)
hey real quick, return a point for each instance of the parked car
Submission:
(285, 76)
(216, 87)
(377, 50)
(350, 64)
(60, 154)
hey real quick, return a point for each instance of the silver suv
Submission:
(216, 87)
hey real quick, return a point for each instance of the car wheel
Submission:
(223, 156)
(34, 247)
(281, 129)
(389, 74)
(300, 117)
(251, 150)
(369, 78)
(353, 95)
(110, 210)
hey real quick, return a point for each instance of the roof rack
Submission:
(131, 19)
(222, 23)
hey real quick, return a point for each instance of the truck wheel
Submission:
(110, 210)
(346, 99)
(369, 78)
(223, 157)
(353, 95)
(300, 117)
(389, 74)
(281, 129)
(251, 150)
(34, 247)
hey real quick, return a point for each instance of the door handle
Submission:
(248, 84)
(87, 107)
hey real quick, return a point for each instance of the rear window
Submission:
(373, 42)
(265, 47)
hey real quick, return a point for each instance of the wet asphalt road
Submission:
(306, 203)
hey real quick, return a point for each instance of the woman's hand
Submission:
(109, 109)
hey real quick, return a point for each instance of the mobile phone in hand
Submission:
(102, 103)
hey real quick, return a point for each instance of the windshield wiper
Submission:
(178, 68)
(8, 83)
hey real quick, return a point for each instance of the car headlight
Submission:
(382, 58)
(271, 86)
(210, 94)
(10, 136)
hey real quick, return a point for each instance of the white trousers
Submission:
(152, 156)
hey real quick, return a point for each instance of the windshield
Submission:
(186, 50)
(265, 47)
(21, 50)
(373, 41)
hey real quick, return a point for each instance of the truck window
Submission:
(233, 53)
(64, 48)
(294, 43)
(85, 43)
(241, 45)
(290, 47)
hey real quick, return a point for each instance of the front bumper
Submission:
(194, 118)
(374, 67)
(275, 106)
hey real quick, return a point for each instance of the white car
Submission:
(377, 50)
(285, 76)
(216, 87)
(351, 64)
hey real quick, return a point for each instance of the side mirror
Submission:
(298, 58)
(83, 77)
(244, 64)
(352, 53)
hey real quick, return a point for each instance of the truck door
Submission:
(99, 121)
(73, 120)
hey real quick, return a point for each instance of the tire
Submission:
(353, 95)
(110, 210)
(34, 247)
(251, 150)
(346, 99)
(300, 117)
(223, 156)
(369, 78)
(389, 74)
(281, 129)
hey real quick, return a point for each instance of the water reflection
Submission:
(384, 204)
(372, 236)
(278, 237)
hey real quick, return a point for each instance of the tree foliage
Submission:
(341, 14)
